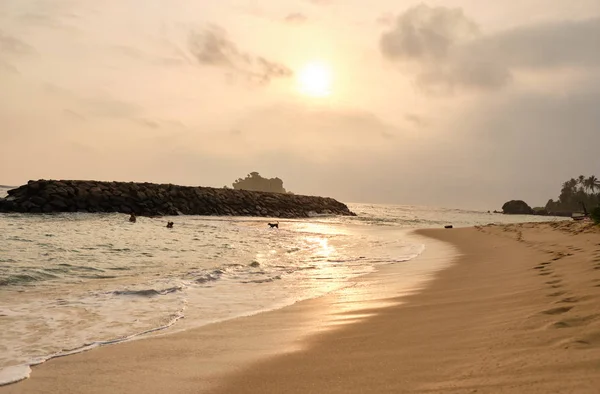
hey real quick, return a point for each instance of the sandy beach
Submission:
(516, 312)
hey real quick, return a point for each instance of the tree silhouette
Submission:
(581, 181)
(575, 192)
(592, 183)
(255, 182)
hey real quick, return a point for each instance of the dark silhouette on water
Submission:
(132, 218)
(170, 224)
(274, 225)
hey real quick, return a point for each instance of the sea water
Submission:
(71, 282)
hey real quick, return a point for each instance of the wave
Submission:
(210, 277)
(16, 373)
(265, 280)
(148, 292)
(22, 279)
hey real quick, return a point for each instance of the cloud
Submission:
(13, 45)
(324, 132)
(296, 17)
(416, 120)
(446, 50)
(549, 45)
(427, 33)
(212, 47)
(320, 2)
(386, 19)
(7, 67)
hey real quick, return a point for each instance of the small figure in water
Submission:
(274, 225)
(169, 224)
(132, 218)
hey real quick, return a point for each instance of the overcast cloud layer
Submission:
(465, 105)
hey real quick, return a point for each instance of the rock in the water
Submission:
(517, 207)
(150, 199)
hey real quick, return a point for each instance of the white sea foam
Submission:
(14, 373)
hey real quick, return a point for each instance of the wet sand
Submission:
(518, 312)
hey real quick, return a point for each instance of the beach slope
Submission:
(518, 312)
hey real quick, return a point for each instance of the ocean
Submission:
(72, 282)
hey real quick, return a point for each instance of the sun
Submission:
(315, 80)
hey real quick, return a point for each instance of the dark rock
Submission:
(38, 200)
(59, 203)
(517, 207)
(153, 199)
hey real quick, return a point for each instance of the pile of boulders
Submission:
(150, 199)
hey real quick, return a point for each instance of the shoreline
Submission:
(261, 335)
(516, 313)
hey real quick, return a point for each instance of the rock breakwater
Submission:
(150, 199)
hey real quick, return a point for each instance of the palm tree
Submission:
(581, 181)
(572, 184)
(592, 183)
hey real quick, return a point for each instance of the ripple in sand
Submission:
(557, 311)
(575, 322)
(557, 294)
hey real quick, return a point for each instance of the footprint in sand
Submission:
(583, 342)
(557, 294)
(574, 322)
(557, 311)
(553, 282)
(570, 300)
(545, 273)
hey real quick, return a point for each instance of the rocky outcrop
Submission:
(517, 207)
(149, 199)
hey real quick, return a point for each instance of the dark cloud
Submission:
(296, 17)
(446, 50)
(532, 142)
(426, 33)
(549, 45)
(212, 47)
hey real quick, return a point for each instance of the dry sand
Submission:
(519, 312)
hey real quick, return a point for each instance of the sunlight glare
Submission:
(315, 80)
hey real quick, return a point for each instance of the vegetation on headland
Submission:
(576, 193)
(596, 215)
(255, 182)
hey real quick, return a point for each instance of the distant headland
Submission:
(150, 199)
(577, 195)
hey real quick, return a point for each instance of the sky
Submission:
(456, 103)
